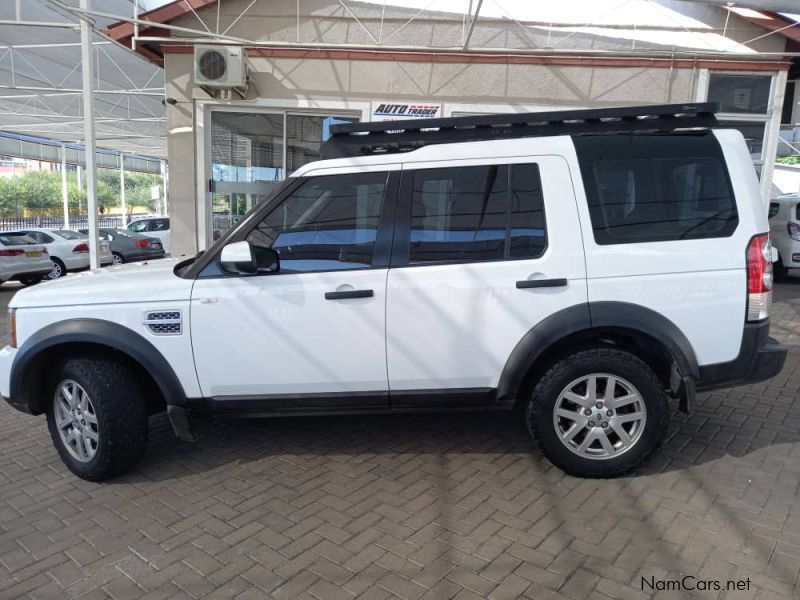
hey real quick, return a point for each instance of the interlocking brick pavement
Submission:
(414, 507)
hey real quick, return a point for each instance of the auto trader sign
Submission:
(394, 111)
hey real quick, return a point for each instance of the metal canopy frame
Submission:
(143, 34)
(41, 83)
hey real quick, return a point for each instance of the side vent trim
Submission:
(164, 322)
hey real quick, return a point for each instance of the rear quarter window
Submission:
(656, 188)
(774, 209)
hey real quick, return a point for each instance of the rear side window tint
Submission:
(651, 188)
(477, 213)
(797, 212)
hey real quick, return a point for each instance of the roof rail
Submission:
(364, 139)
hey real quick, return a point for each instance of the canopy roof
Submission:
(40, 79)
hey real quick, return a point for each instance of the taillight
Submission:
(142, 243)
(80, 248)
(759, 277)
(14, 252)
(794, 231)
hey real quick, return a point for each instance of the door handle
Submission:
(349, 294)
(541, 283)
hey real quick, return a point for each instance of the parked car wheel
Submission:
(59, 270)
(30, 279)
(97, 418)
(598, 413)
(118, 258)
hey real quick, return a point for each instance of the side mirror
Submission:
(242, 257)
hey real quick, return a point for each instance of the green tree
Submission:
(39, 192)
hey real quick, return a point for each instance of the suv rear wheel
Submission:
(97, 417)
(598, 413)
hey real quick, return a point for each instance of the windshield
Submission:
(68, 234)
(16, 238)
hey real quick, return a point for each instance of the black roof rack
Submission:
(363, 139)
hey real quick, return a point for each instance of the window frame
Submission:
(402, 230)
(208, 266)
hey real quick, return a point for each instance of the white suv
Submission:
(784, 224)
(586, 267)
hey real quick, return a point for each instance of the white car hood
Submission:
(137, 282)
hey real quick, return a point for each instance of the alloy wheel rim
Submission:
(599, 416)
(76, 420)
(117, 259)
(55, 273)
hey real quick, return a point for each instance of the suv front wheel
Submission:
(97, 417)
(598, 413)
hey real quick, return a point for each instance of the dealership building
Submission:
(253, 86)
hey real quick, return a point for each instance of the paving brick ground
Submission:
(434, 507)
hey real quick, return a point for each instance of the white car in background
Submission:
(69, 250)
(784, 229)
(157, 227)
(22, 259)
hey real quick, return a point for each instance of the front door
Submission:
(316, 327)
(487, 252)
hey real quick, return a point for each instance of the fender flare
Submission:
(589, 318)
(100, 332)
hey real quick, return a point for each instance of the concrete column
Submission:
(122, 190)
(64, 191)
(87, 64)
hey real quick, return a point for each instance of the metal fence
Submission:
(76, 222)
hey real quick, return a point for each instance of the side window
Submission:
(40, 237)
(458, 213)
(527, 230)
(476, 213)
(159, 225)
(138, 226)
(774, 208)
(328, 223)
(656, 188)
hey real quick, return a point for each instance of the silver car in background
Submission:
(22, 259)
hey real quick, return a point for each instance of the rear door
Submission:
(475, 245)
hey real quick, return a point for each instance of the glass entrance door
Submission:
(252, 152)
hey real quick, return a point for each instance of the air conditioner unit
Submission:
(220, 66)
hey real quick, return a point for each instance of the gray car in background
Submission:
(127, 246)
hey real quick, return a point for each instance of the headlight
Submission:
(12, 327)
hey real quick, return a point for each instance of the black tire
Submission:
(30, 280)
(120, 411)
(118, 258)
(539, 414)
(780, 272)
(59, 269)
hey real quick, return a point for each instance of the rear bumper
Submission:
(139, 256)
(32, 273)
(760, 357)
